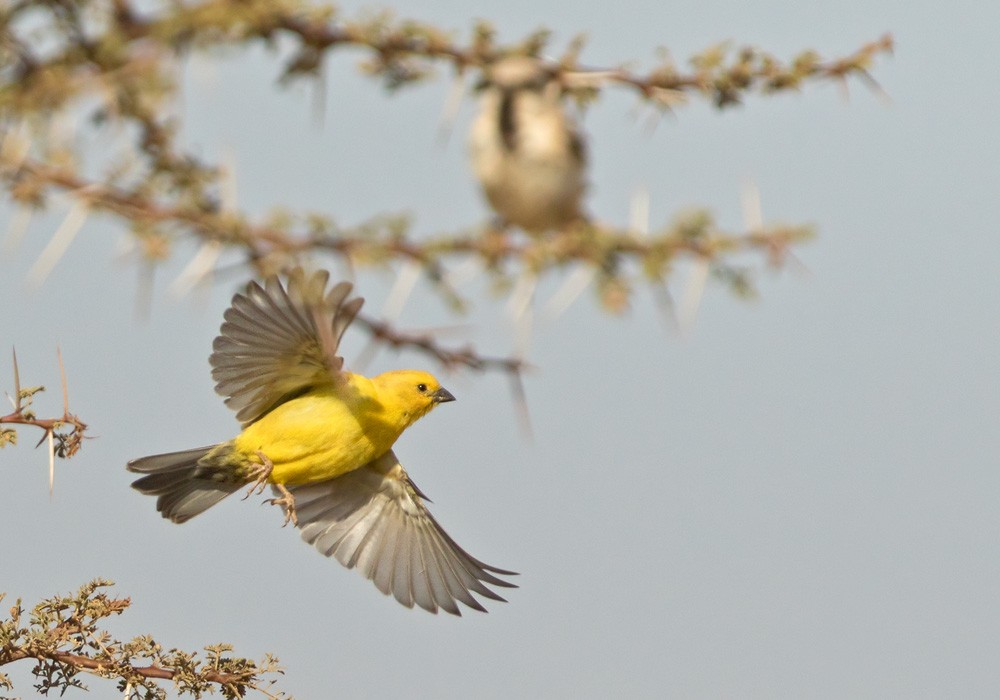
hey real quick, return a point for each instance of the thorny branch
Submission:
(462, 357)
(62, 634)
(277, 245)
(65, 434)
(107, 59)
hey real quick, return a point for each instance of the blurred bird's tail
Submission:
(183, 486)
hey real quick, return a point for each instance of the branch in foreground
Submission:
(62, 443)
(62, 634)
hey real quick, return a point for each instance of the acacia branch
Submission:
(102, 667)
(280, 242)
(389, 238)
(718, 72)
(121, 62)
(62, 443)
(63, 635)
(462, 357)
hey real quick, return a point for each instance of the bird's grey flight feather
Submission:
(278, 341)
(373, 519)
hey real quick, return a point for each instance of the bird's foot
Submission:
(286, 501)
(259, 474)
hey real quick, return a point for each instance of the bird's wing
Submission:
(277, 343)
(374, 519)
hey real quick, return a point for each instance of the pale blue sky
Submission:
(799, 499)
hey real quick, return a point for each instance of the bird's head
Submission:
(410, 392)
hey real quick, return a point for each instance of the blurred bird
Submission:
(527, 154)
(322, 437)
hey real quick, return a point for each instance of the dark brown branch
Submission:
(65, 444)
(464, 357)
(8, 656)
(51, 425)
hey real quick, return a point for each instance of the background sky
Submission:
(800, 498)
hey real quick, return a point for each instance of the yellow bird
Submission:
(322, 437)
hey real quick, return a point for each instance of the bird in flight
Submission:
(322, 438)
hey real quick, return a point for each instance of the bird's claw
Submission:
(259, 474)
(286, 501)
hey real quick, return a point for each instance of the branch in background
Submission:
(726, 75)
(282, 242)
(62, 634)
(448, 358)
(126, 63)
(617, 256)
(402, 51)
(118, 65)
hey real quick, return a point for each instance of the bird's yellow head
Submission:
(410, 392)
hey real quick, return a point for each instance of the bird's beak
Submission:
(442, 395)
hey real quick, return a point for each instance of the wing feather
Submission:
(374, 519)
(424, 592)
(404, 579)
(279, 340)
(383, 560)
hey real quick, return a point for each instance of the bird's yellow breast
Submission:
(322, 434)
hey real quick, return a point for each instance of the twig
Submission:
(449, 358)
(61, 443)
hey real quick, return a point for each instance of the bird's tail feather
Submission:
(182, 486)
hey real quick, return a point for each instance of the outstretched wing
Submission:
(277, 343)
(374, 519)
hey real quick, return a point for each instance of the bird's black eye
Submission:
(421, 388)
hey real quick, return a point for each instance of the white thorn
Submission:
(665, 302)
(195, 272)
(524, 326)
(449, 110)
(519, 307)
(753, 217)
(639, 222)
(61, 240)
(638, 212)
(521, 295)
(687, 308)
(575, 284)
(392, 309)
(52, 465)
(401, 290)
